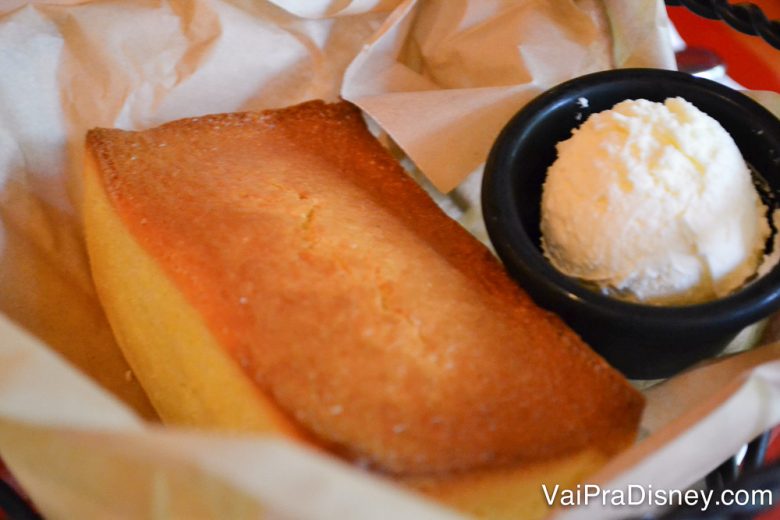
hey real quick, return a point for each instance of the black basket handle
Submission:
(14, 506)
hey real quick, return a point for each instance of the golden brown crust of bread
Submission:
(365, 313)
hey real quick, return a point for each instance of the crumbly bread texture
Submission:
(288, 250)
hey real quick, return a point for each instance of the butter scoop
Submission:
(653, 202)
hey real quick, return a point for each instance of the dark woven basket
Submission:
(744, 17)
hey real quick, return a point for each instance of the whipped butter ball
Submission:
(653, 202)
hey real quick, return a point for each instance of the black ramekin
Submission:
(643, 341)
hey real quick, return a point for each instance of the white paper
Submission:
(440, 81)
(444, 76)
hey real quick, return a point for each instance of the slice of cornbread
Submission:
(279, 272)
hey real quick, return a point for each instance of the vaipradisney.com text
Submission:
(646, 495)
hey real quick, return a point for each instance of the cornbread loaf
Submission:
(279, 272)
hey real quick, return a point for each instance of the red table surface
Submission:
(749, 60)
